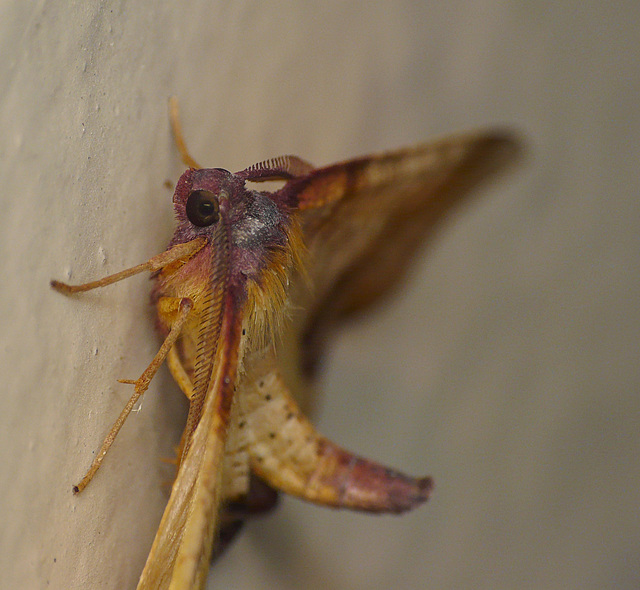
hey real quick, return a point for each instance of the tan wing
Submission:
(365, 219)
(179, 557)
(287, 452)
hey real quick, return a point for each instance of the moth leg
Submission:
(174, 116)
(179, 374)
(182, 378)
(290, 455)
(179, 252)
(184, 306)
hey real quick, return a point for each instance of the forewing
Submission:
(364, 220)
(179, 557)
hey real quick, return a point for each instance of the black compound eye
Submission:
(202, 208)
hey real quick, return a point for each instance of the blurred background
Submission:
(507, 368)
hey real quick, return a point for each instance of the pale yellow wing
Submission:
(179, 557)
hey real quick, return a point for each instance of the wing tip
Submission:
(412, 492)
(501, 147)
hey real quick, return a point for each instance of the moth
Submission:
(248, 293)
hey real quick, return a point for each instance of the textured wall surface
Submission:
(508, 368)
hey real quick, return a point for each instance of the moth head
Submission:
(255, 235)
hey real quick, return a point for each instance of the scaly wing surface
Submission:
(179, 557)
(364, 221)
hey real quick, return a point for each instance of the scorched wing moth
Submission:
(248, 292)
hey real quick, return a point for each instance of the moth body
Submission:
(249, 291)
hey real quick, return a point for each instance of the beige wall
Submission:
(507, 369)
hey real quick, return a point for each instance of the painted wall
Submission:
(507, 369)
